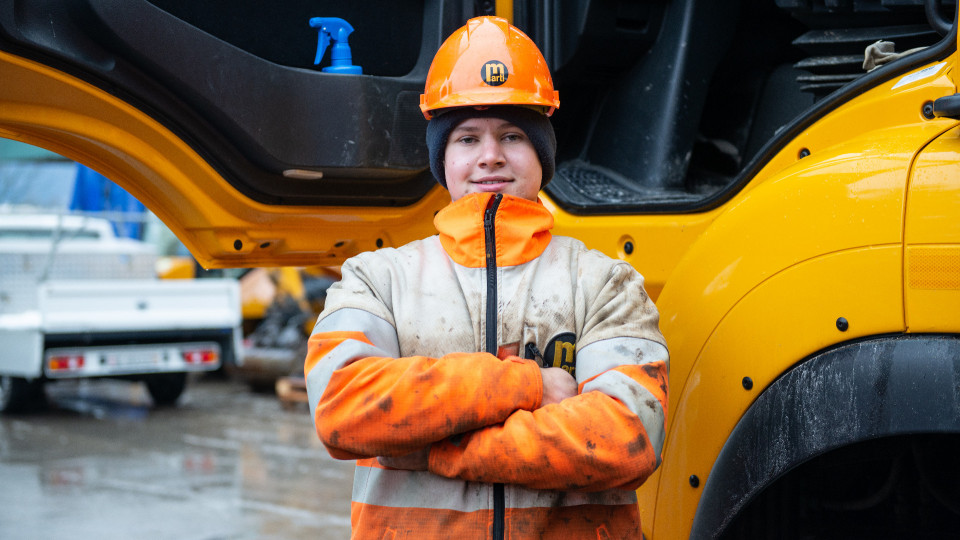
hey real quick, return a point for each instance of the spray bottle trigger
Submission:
(322, 47)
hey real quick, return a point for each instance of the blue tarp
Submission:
(94, 192)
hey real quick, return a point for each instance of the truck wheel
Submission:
(19, 394)
(165, 388)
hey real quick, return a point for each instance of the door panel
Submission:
(932, 237)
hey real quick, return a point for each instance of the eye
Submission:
(467, 139)
(513, 137)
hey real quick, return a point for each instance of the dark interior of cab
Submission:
(666, 105)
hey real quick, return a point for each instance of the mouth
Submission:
(491, 181)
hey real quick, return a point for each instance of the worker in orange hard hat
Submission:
(494, 380)
(490, 69)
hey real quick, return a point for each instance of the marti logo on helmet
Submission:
(494, 73)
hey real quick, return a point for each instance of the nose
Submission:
(491, 153)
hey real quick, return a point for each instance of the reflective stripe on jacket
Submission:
(393, 367)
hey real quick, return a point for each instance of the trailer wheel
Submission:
(18, 394)
(165, 388)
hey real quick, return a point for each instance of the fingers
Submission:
(558, 385)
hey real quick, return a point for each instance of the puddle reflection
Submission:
(100, 462)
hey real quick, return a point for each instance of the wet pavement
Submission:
(99, 462)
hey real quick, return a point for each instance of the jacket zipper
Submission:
(490, 245)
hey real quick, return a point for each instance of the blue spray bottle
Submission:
(336, 30)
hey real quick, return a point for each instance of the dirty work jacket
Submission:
(401, 358)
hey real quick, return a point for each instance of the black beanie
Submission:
(535, 125)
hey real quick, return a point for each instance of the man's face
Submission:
(491, 155)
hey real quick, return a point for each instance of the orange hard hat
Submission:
(486, 62)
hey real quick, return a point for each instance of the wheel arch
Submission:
(868, 389)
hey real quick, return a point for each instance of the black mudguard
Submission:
(886, 386)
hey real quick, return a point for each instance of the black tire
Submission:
(165, 388)
(18, 394)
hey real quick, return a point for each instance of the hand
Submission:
(414, 461)
(558, 385)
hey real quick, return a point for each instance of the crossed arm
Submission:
(476, 417)
(558, 385)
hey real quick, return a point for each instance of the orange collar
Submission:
(522, 230)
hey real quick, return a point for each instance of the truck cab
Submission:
(783, 173)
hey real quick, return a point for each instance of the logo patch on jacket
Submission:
(560, 352)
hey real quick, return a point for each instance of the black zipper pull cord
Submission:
(531, 352)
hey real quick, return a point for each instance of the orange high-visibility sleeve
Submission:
(589, 442)
(378, 406)
(318, 348)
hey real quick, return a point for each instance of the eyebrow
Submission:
(472, 129)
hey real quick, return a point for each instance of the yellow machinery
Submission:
(280, 307)
(797, 224)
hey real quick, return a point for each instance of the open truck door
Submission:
(776, 196)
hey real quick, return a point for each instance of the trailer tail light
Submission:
(201, 356)
(66, 362)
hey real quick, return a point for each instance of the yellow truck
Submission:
(785, 174)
